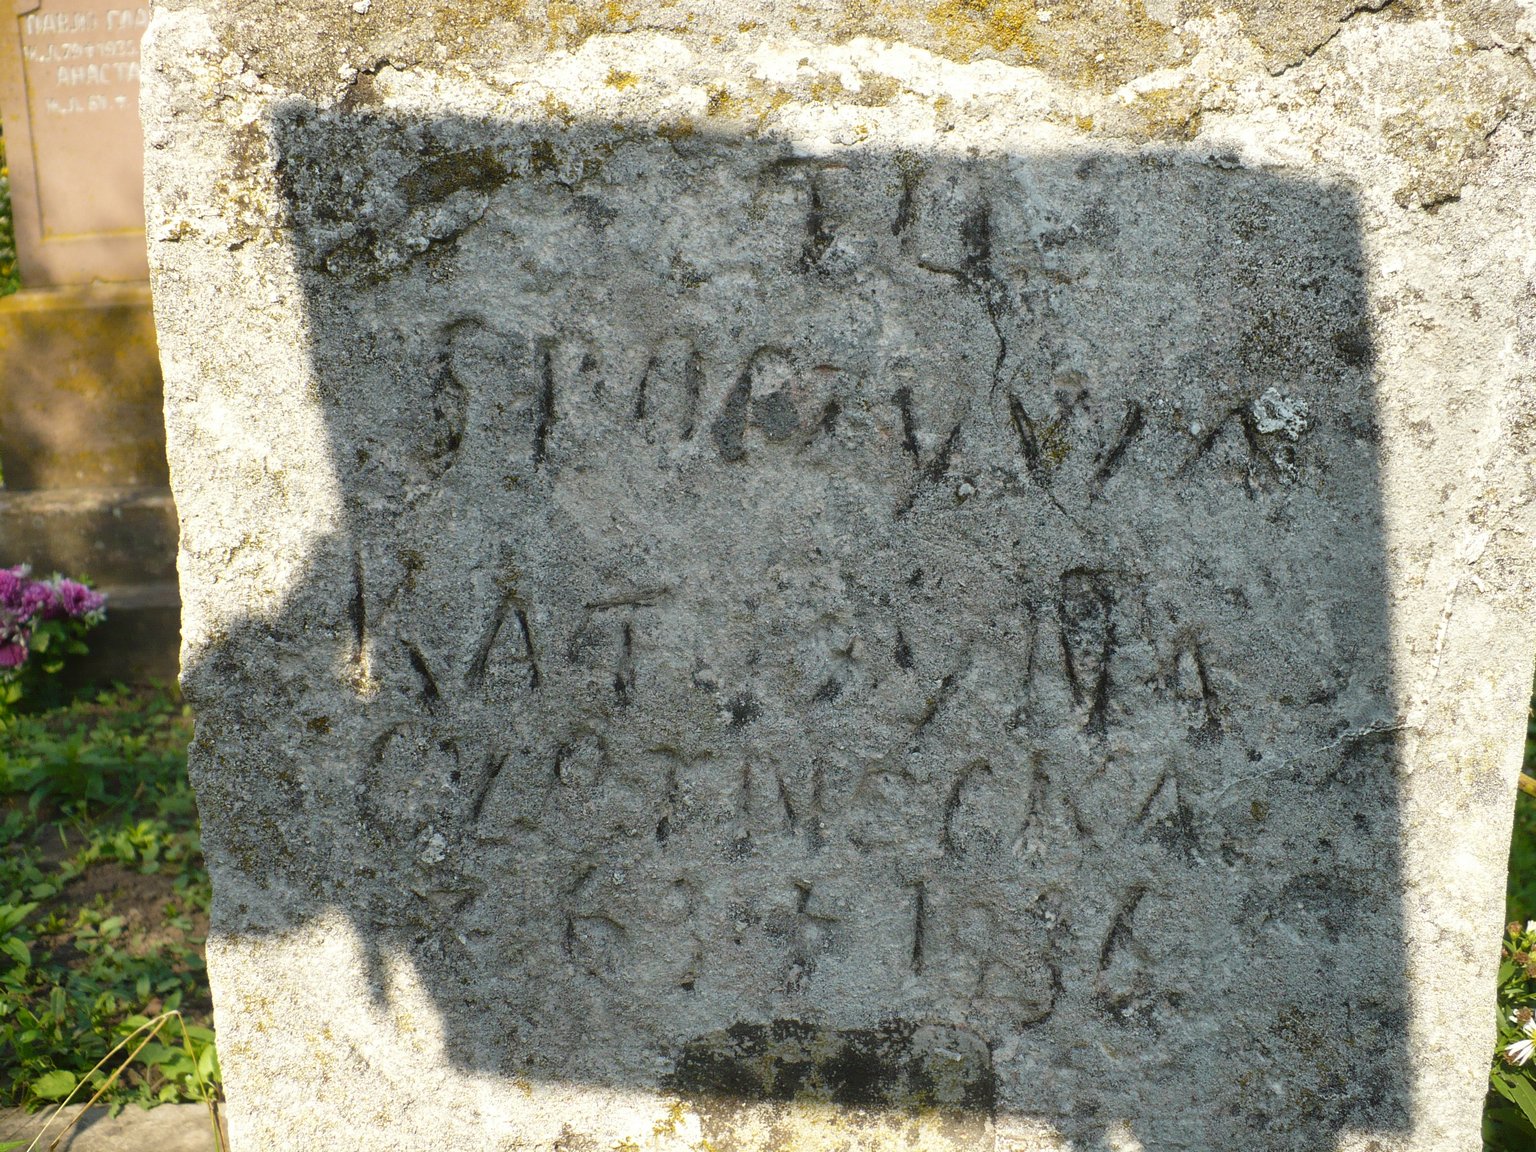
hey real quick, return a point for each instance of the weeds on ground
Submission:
(9, 280)
(103, 901)
(1509, 1116)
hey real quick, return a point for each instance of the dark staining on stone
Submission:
(1029, 442)
(817, 238)
(1353, 346)
(357, 612)
(429, 692)
(897, 1065)
(903, 651)
(744, 709)
(829, 417)
(936, 704)
(441, 174)
(906, 206)
(1120, 931)
(948, 844)
(938, 467)
(597, 214)
(729, 429)
(1176, 831)
(534, 678)
(474, 674)
(1086, 626)
(903, 399)
(693, 390)
(544, 417)
(642, 388)
(775, 414)
(919, 925)
(791, 817)
(1130, 427)
(493, 767)
(830, 689)
(1250, 430)
(976, 235)
(542, 158)
(624, 675)
(1211, 730)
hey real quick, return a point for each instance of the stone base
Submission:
(124, 540)
(81, 403)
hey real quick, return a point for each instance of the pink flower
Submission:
(13, 654)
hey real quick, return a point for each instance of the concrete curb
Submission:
(168, 1128)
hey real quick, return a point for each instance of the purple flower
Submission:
(35, 599)
(13, 581)
(13, 654)
(76, 600)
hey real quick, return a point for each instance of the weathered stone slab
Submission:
(82, 403)
(752, 587)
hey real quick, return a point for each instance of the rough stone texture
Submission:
(859, 579)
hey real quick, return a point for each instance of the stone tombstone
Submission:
(69, 87)
(885, 577)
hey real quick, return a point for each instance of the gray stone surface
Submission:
(850, 580)
(168, 1128)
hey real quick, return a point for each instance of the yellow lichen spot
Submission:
(621, 80)
(876, 89)
(1006, 27)
(748, 25)
(827, 87)
(1168, 114)
(558, 109)
(676, 130)
(669, 1124)
(723, 105)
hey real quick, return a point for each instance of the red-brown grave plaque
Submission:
(69, 91)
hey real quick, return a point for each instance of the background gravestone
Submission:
(70, 90)
(895, 579)
(82, 440)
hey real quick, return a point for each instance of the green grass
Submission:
(103, 899)
(1520, 896)
(1510, 1109)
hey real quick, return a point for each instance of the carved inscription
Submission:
(83, 61)
(893, 640)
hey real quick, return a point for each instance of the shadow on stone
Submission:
(903, 632)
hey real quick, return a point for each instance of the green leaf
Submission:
(1518, 1091)
(208, 1065)
(54, 1085)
